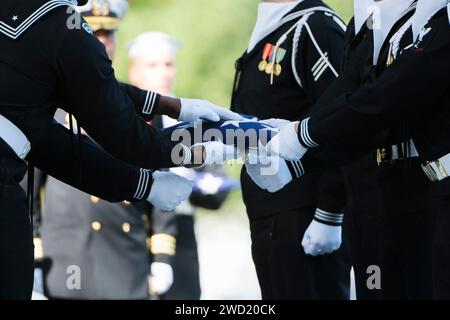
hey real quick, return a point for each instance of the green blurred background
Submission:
(213, 33)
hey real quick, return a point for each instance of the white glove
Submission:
(161, 278)
(193, 110)
(321, 239)
(218, 153)
(273, 176)
(169, 190)
(276, 123)
(286, 143)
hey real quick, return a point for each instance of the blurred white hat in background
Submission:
(153, 43)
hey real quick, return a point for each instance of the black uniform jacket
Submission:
(288, 97)
(414, 86)
(47, 61)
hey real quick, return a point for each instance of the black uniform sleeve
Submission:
(415, 81)
(144, 102)
(162, 240)
(331, 198)
(58, 154)
(321, 60)
(91, 92)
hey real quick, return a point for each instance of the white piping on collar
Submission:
(291, 17)
(14, 33)
(424, 12)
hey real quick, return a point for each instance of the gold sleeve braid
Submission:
(162, 243)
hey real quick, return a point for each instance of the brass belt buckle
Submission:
(429, 171)
(381, 155)
(441, 169)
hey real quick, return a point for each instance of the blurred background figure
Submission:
(90, 248)
(153, 67)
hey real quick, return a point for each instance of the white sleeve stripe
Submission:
(152, 103)
(142, 185)
(305, 135)
(146, 101)
(139, 185)
(187, 156)
(145, 187)
(329, 214)
(294, 166)
(299, 168)
(328, 218)
(149, 103)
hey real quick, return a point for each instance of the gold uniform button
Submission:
(126, 227)
(127, 203)
(96, 226)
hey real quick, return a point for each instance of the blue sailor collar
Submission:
(17, 16)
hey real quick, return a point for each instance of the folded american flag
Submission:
(246, 134)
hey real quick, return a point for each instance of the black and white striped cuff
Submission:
(144, 184)
(296, 168)
(304, 137)
(187, 156)
(151, 100)
(328, 218)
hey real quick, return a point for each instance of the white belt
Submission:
(439, 169)
(14, 138)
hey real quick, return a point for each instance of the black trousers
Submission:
(284, 271)
(441, 248)
(400, 246)
(16, 249)
(363, 244)
(186, 269)
(406, 257)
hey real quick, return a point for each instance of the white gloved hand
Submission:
(286, 143)
(194, 109)
(321, 239)
(169, 190)
(218, 153)
(161, 278)
(268, 173)
(276, 123)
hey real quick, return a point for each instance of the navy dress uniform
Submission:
(417, 76)
(112, 249)
(68, 68)
(281, 77)
(389, 202)
(383, 195)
